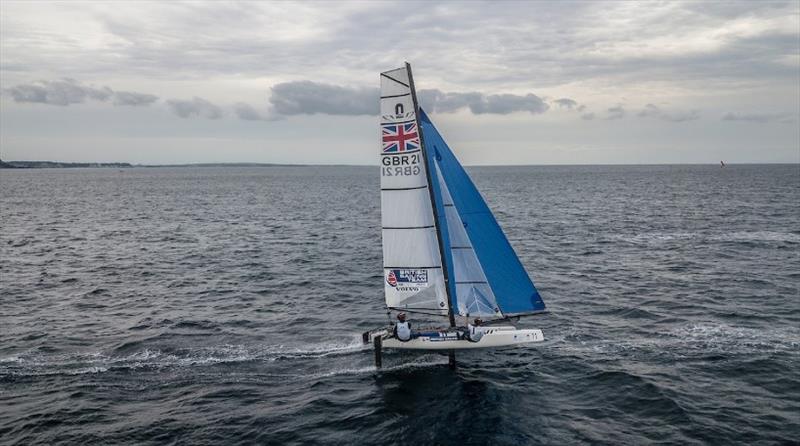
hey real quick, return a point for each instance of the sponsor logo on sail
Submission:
(391, 279)
(407, 279)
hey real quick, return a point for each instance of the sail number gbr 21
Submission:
(396, 165)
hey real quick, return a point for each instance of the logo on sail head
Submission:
(399, 138)
(407, 279)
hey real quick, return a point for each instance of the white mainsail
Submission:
(412, 265)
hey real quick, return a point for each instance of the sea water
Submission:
(225, 305)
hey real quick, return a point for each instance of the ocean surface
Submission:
(212, 306)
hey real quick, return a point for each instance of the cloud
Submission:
(616, 112)
(437, 101)
(247, 112)
(68, 91)
(308, 98)
(650, 110)
(761, 118)
(566, 103)
(587, 116)
(133, 98)
(61, 92)
(287, 99)
(195, 107)
(596, 43)
(653, 111)
(509, 103)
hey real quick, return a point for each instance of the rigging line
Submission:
(404, 188)
(473, 281)
(461, 247)
(407, 227)
(391, 78)
(426, 311)
(411, 267)
(532, 313)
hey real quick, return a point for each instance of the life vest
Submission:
(403, 331)
(474, 333)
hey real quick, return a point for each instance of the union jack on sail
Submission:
(400, 137)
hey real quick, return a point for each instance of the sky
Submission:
(297, 82)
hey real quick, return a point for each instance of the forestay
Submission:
(413, 272)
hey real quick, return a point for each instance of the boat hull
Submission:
(449, 340)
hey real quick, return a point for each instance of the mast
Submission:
(424, 150)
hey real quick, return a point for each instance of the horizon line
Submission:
(270, 164)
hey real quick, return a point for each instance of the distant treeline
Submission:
(50, 164)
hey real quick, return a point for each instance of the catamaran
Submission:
(444, 254)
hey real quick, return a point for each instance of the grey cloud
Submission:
(760, 117)
(603, 41)
(247, 112)
(436, 101)
(616, 112)
(195, 107)
(587, 116)
(649, 110)
(68, 91)
(133, 98)
(566, 103)
(478, 103)
(653, 111)
(307, 97)
(508, 103)
(61, 92)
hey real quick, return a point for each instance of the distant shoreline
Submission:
(70, 165)
(64, 165)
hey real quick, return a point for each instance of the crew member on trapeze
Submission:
(402, 329)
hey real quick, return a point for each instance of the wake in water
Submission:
(419, 362)
(692, 340)
(35, 364)
(656, 238)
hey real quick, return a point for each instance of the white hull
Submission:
(448, 340)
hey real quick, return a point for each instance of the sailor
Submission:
(475, 330)
(402, 329)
